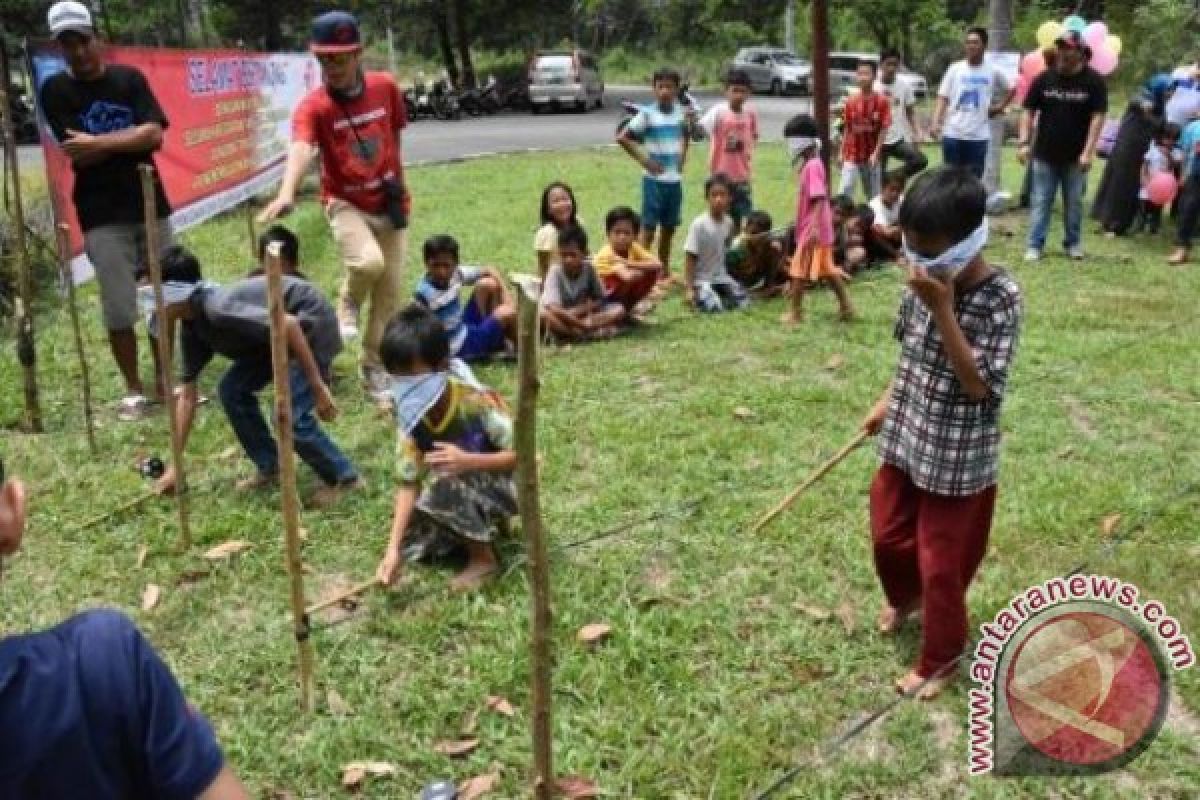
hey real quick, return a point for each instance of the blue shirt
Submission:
(1189, 143)
(88, 710)
(447, 305)
(662, 134)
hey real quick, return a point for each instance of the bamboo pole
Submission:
(64, 260)
(287, 471)
(529, 505)
(163, 340)
(815, 476)
(26, 350)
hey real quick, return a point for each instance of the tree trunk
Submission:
(444, 44)
(1000, 35)
(463, 32)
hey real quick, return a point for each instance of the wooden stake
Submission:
(529, 505)
(251, 232)
(819, 473)
(64, 261)
(150, 209)
(343, 596)
(26, 351)
(287, 471)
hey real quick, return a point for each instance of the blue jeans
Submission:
(1046, 179)
(239, 390)
(967, 153)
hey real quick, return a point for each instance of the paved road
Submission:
(431, 140)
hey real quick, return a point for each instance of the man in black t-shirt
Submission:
(108, 123)
(1070, 102)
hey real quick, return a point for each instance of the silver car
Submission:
(843, 66)
(565, 79)
(774, 70)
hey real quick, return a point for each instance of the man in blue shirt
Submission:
(1188, 204)
(88, 709)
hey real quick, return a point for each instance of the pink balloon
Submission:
(1033, 63)
(1022, 89)
(1104, 60)
(1162, 188)
(1095, 34)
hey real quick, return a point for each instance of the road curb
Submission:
(522, 151)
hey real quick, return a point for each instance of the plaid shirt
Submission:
(948, 443)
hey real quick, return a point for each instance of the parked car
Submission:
(774, 70)
(565, 78)
(842, 67)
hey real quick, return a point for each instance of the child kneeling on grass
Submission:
(454, 457)
(488, 322)
(708, 287)
(574, 304)
(938, 422)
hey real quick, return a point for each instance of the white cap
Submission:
(70, 17)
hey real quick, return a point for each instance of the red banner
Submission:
(229, 115)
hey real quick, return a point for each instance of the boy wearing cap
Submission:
(1070, 102)
(354, 122)
(108, 123)
(88, 709)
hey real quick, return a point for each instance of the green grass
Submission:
(712, 683)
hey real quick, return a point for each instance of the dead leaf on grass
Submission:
(501, 706)
(227, 549)
(456, 748)
(337, 705)
(1109, 524)
(594, 633)
(847, 615)
(474, 788)
(816, 612)
(470, 724)
(354, 773)
(143, 551)
(835, 362)
(577, 787)
(229, 453)
(744, 414)
(150, 596)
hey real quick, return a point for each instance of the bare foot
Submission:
(1180, 256)
(911, 684)
(891, 619)
(473, 576)
(257, 482)
(329, 495)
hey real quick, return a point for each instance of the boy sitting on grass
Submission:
(707, 285)
(938, 420)
(757, 259)
(627, 270)
(885, 238)
(454, 458)
(574, 304)
(489, 321)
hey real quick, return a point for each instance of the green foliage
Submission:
(1165, 33)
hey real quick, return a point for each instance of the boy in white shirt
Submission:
(971, 93)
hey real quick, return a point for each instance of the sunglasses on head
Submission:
(334, 59)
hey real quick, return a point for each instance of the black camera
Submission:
(394, 203)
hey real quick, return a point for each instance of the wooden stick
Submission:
(343, 596)
(150, 209)
(287, 471)
(253, 234)
(26, 350)
(529, 505)
(64, 261)
(816, 475)
(126, 506)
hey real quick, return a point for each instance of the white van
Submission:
(565, 79)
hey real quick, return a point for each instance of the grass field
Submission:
(713, 681)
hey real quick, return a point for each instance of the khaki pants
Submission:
(373, 254)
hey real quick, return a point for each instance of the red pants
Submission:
(630, 293)
(927, 548)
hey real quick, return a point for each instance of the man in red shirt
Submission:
(867, 117)
(354, 121)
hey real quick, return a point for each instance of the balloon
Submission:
(1048, 32)
(1095, 34)
(1075, 23)
(1033, 64)
(1104, 61)
(1022, 89)
(1162, 188)
(1113, 42)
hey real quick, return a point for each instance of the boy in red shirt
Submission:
(354, 122)
(867, 117)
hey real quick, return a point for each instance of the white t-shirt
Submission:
(969, 92)
(706, 240)
(1156, 161)
(885, 216)
(901, 98)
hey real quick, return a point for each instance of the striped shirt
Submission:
(662, 135)
(446, 304)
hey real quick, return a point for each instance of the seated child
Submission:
(488, 322)
(627, 270)
(574, 304)
(757, 259)
(707, 285)
(454, 457)
(849, 235)
(557, 211)
(884, 239)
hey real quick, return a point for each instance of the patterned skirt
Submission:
(451, 511)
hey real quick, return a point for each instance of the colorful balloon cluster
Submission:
(1105, 46)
